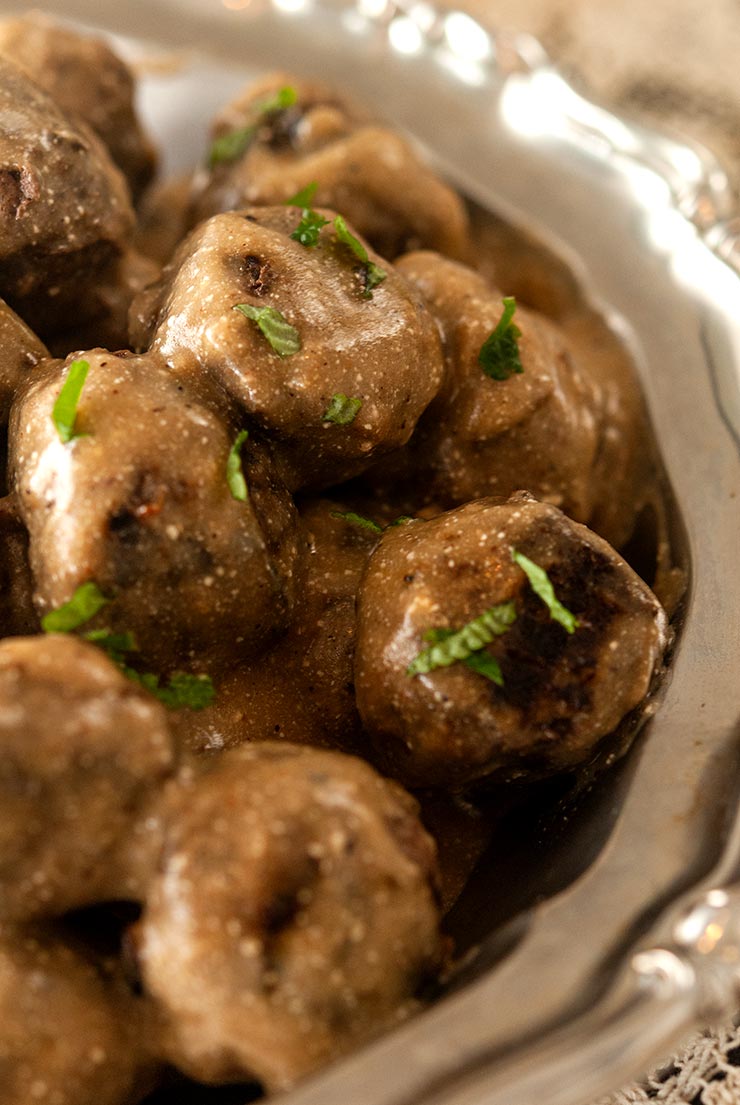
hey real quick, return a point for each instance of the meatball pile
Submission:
(294, 516)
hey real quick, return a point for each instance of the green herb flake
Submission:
(231, 146)
(183, 691)
(64, 413)
(234, 144)
(499, 354)
(234, 472)
(305, 197)
(484, 664)
(479, 662)
(454, 646)
(283, 337)
(309, 228)
(357, 520)
(285, 97)
(85, 603)
(541, 585)
(342, 410)
(372, 274)
(116, 645)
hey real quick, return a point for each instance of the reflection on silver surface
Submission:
(613, 970)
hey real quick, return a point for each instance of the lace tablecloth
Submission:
(706, 1072)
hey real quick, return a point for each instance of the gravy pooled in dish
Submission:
(298, 471)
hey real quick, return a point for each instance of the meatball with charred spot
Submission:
(141, 504)
(70, 1033)
(538, 429)
(83, 753)
(295, 913)
(535, 698)
(87, 80)
(65, 211)
(368, 172)
(302, 690)
(361, 366)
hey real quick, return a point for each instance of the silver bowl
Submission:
(624, 926)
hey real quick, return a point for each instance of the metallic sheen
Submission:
(635, 944)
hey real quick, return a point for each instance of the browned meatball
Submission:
(381, 351)
(65, 211)
(17, 613)
(539, 429)
(294, 913)
(303, 689)
(107, 326)
(560, 691)
(369, 173)
(141, 505)
(163, 218)
(20, 352)
(83, 753)
(70, 1034)
(87, 80)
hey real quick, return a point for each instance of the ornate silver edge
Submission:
(694, 975)
(699, 186)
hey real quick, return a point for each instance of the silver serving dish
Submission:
(623, 925)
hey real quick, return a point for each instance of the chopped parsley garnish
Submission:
(309, 228)
(541, 585)
(449, 647)
(305, 197)
(234, 143)
(283, 337)
(193, 691)
(372, 274)
(234, 472)
(85, 603)
(499, 354)
(64, 413)
(357, 520)
(342, 410)
(183, 691)
(368, 523)
(115, 644)
(284, 97)
(231, 146)
(484, 664)
(479, 662)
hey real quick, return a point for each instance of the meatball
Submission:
(381, 355)
(559, 691)
(68, 1027)
(83, 753)
(20, 351)
(368, 172)
(294, 913)
(163, 218)
(107, 324)
(17, 613)
(303, 689)
(88, 81)
(65, 212)
(141, 505)
(538, 429)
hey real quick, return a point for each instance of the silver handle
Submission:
(666, 992)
